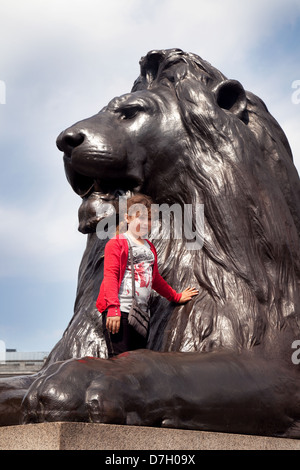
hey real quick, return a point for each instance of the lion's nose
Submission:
(69, 139)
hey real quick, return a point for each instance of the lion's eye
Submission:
(130, 112)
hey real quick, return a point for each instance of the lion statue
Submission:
(184, 135)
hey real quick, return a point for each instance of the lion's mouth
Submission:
(100, 199)
(109, 189)
(100, 195)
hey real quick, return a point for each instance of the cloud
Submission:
(74, 33)
(43, 243)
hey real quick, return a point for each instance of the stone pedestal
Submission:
(90, 436)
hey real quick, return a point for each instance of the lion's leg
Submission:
(12, 391)
(57, 395)
(215, 391)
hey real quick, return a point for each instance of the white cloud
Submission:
(80, 31)
(43, 243)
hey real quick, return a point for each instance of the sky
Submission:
(62, 61)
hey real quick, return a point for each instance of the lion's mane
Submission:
(240, 167)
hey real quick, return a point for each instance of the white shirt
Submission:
(143, 261)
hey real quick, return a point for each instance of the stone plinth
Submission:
(89, 436)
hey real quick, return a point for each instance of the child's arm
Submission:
(111, 278)
(164, 289)
(187, 294)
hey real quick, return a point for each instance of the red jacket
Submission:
(115, 262)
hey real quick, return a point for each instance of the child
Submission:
(115, 296)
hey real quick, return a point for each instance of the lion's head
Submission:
(188, 135)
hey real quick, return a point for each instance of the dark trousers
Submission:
(127, 339)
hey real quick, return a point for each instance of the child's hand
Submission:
(187, 294)
(113, 324)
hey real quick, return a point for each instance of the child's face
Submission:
(140, 224)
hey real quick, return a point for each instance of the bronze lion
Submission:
(223, 362)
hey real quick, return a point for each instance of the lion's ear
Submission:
(230, 95)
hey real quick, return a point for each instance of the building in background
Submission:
(21, 363)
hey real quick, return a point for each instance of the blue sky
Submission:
(62, 61)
